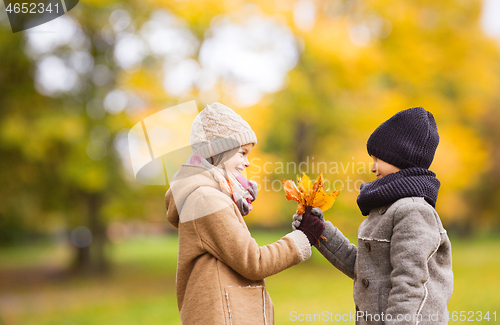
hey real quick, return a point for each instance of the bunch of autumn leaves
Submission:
(309, 193)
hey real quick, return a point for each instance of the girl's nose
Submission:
(246, 162)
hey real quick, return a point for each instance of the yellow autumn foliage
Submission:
(309, 194)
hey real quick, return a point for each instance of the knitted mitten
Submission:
(311, 226)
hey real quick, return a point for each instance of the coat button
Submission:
(365, 283)
(368, 247)
(382, 210)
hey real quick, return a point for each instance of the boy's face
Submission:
(239, 161)
(381, 168)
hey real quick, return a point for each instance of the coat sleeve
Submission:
(414, 241)
(338, 250)
(227, 238)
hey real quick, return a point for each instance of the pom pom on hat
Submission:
(408, 139)
(217, 129)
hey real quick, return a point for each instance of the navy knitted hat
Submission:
(408, 139)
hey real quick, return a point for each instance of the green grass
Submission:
(141, 288)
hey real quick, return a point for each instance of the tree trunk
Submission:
(92, 259)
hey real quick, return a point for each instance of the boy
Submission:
(402, 266)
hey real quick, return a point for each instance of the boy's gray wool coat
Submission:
(402, 266)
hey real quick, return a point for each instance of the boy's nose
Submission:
(373, 170)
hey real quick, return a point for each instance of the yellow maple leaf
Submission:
(309, 194)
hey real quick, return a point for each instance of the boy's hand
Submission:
(312, 226)
(318, 213)
(297, 218)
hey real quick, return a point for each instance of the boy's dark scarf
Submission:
(415, 181)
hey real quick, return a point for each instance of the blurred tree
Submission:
(17, 173)
(485, 196)
(58, 136)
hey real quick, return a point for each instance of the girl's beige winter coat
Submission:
(221, 268)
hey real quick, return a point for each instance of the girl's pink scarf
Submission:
(242, 191)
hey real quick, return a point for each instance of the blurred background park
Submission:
(83, 242)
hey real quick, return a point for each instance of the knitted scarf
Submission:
(242, 191)
(415, 181)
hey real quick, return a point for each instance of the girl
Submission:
(221, 269)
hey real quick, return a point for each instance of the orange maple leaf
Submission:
(309, 193)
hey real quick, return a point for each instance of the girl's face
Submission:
(381, 168)
(239, 161)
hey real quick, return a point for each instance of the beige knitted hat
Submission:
(218, 128)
